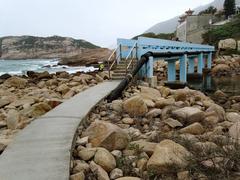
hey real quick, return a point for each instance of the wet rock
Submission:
(116, 173)
(195, 129)
(5, 76)
(188, 115)
(135, 106)
(107, 135)
(167, 153)
(105, 159)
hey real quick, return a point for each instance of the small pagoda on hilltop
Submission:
(183, 17)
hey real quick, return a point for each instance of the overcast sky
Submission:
(97, 21)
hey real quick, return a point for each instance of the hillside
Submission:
(31, 47)
(170, 25)
(228, 30)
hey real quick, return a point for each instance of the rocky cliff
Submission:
(31, 47)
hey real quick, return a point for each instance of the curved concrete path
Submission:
(42, 151)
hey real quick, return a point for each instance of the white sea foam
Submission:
(20, 67)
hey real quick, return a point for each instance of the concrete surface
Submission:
(42, 150)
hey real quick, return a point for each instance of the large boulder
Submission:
(149, 93)
(227, 44)
(166, 154)
(220, 68)
(4, 102)
(15, 81)
(188, 115)
(13, 118)
(36, 110)
(135, 106)
(107, 135)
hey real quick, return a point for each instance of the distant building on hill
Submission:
(237, 6)
(192, 27)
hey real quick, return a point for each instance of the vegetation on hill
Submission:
(167, 36)
(228, 30)
(210, 10)
(40, 42)
(229, 7)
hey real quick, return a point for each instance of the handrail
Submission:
(110, 57)
(129, 64)
(131, 50)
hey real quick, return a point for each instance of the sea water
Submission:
(20, 67)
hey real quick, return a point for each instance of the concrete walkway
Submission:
(42, 150)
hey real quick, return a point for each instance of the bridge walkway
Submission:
(42, 151)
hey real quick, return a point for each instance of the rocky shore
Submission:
(23, 99)
(158, 133)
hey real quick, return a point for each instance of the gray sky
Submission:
(97, 21)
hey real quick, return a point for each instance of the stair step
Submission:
(117, 78)
(119, 74)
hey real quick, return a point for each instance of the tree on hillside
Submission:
(210, 10)
(229, 7)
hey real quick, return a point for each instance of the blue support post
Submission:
(209, 60)
(183, 68)
(191, 65)
(200, 63)
(150, 67)
(172, 70)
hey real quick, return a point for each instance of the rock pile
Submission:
(23, 99)
(158, 134)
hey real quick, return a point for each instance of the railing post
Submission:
(183, 68)
(200, 63)
(120, 54)
(150, 67)
(191, 64)
(209, 60)
(172, 70)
